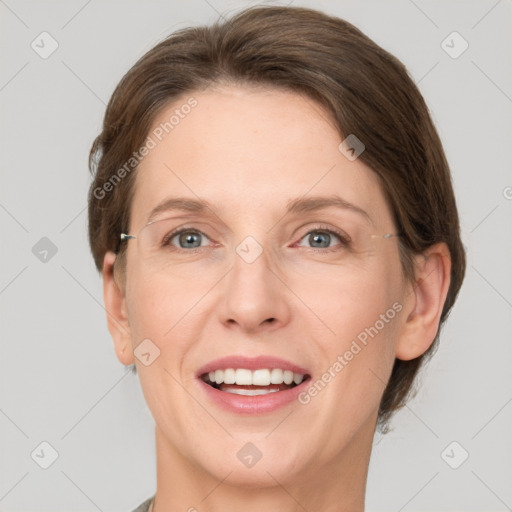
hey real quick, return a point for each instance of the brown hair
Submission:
(368, 91)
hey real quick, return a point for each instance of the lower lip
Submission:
(258, 404)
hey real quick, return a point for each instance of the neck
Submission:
(339, 485)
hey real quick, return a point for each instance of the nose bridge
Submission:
(251, 275)
(251, 264)
(254, 294)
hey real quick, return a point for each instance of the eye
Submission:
(321, 238)
(186, 239)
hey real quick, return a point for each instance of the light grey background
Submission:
(60, 380)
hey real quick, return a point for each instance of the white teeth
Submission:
(297, 378)
(288, 377)
(260, 377)
(250, 392)
(229, 376)
(242, 377)
(276, 376)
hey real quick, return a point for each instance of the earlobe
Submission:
(117, 318)
(425, 302)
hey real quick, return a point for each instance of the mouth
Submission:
(263, 381)
(252, 385)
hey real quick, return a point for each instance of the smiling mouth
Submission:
(245, 382)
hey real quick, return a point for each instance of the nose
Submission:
(255, 297)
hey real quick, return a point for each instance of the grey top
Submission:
(146, 506)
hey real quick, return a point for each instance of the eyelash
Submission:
(345, 241)
(343, 237)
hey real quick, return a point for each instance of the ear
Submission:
(115, 305)
(424, 302)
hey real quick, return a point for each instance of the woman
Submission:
(273, 216)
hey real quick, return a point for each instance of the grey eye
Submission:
(320, 239)
(189, 239)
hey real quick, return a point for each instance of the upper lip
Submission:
(250, 363)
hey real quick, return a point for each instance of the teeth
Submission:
(250, 392)
(261, 377)
(242, 377)
(276, 376)
(229, 376)
(288, 377)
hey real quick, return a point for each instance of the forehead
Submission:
(248, 152)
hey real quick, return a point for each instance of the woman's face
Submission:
(250, 279)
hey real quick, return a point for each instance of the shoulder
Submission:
(144, 507)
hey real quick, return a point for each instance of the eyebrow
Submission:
(314, 203)
(294, 206)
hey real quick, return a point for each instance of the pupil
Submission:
(318, 238)
(187, 238)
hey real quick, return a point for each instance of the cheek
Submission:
(159, 309)
(360, 310)
(355, 362)
(148, 311)
(350, 297)
(156, 303)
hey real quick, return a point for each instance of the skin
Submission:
(247, 151)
